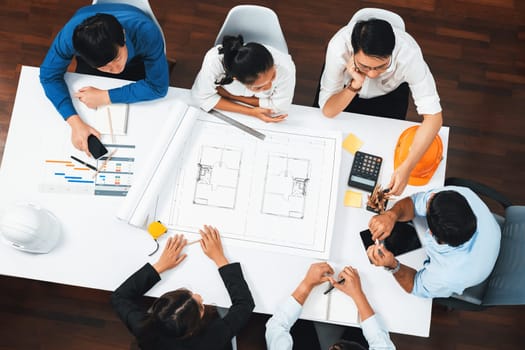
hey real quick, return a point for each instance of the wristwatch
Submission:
(395, 269)
(355, 91)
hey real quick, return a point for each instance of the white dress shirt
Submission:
(407, 65)
(278, 98)
(278, 335)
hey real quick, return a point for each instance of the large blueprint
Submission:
(277, 194)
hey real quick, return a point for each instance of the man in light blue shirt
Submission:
(278, 335)
(116, 40)
(462, 242)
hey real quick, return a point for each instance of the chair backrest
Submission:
(507, 281)
(393, 18)
(140, 4)
(256, 24)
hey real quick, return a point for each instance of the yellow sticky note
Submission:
(353, 199)
(352, 143)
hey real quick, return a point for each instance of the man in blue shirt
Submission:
(111, 39)
(462, 241)
(278, 335)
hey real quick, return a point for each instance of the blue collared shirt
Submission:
(452, 269)
(143, 39)
(278, 335)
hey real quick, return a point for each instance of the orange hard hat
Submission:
(427, 165)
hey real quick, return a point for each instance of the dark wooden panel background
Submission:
(476, 52)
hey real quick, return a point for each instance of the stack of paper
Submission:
(111, 119)
(335, 306)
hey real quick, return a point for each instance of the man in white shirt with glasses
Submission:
(371, 64)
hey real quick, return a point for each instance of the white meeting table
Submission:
(99, 251)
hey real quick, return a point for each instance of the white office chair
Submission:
(256, 24)
(145, 7)
(393, 18)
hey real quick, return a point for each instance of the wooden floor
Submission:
(476, 52)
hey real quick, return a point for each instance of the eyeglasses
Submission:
(366, 69)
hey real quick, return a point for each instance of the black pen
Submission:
(342, 280)
(379, 251)
(84, 163)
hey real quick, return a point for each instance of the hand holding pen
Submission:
(348, 282)
(379, 255)
(317, 273)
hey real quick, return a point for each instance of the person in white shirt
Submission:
(252, 79)
(278, 335)
(370, 66)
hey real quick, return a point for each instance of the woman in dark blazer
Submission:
(179, 319)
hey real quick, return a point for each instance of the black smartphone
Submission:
(96, 148)
(403, 239)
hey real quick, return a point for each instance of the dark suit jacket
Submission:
(218, 333)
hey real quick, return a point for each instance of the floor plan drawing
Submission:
(218, 177)
(278, 194)
(285, 186)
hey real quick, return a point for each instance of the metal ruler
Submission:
(237, 124)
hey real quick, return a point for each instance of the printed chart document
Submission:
(59, 173)
(335, 306)
(278, 194)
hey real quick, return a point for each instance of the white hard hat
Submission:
(29, 228)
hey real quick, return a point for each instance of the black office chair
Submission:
(506, 283)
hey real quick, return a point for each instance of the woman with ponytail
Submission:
(247, 78)
(179, 319)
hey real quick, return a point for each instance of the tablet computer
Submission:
(403, 239)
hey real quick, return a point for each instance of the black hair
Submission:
(176, 314)
(450, 218)
(243, 62)
(98, 38)
(375, 37)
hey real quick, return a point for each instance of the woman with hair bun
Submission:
(247, 78)
(179, 319)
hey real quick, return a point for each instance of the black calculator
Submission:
(365, 171)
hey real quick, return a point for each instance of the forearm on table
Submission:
(240, 295)
(252, 101)
(403, 210)
(425, 134)
(338, 102)
(225, 104)
(363, 307)
(301, 292)
(405, 277)
(57, 92)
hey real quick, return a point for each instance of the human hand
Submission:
(211, 245)
(93, 97)
(355, 73)
(317, 274)
(352, 284)
(171, 256)
(80, 132)
(380, 256)
(399, 180)
(265, 114)
(381, 225)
